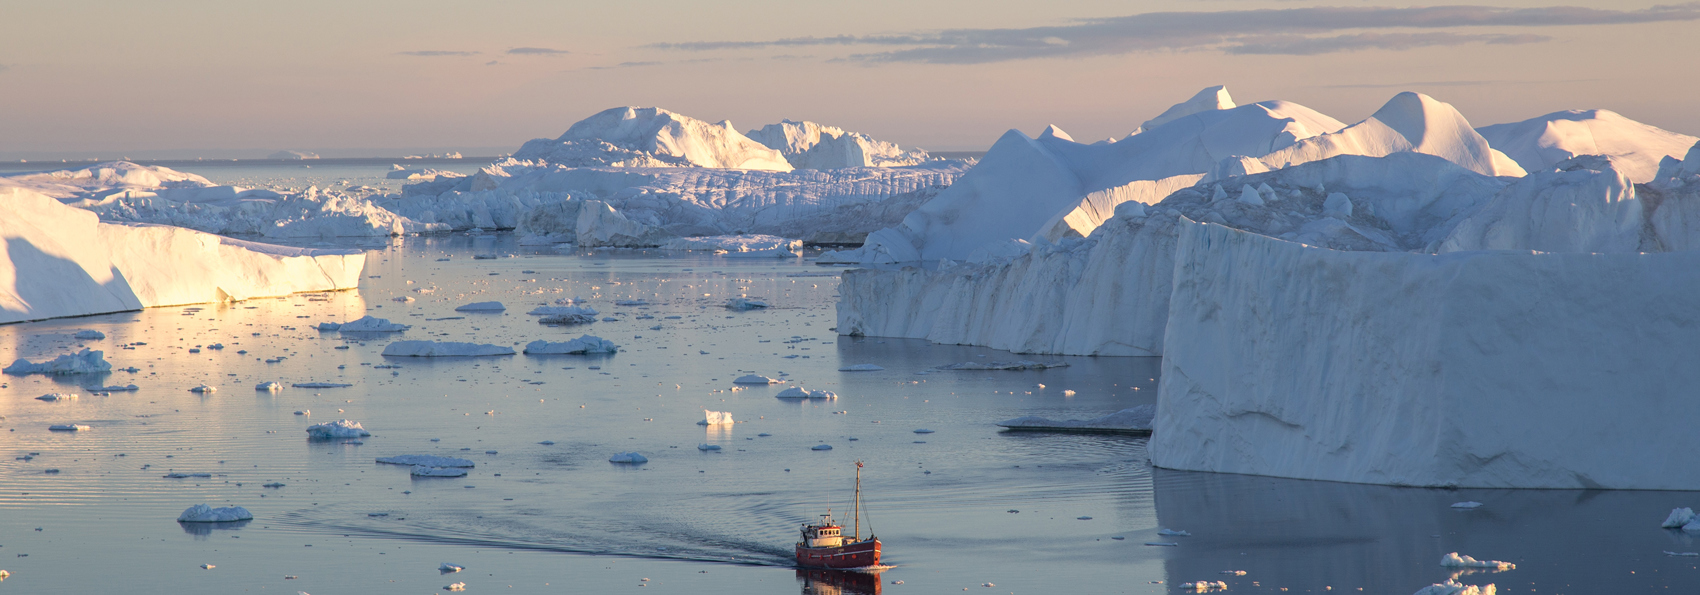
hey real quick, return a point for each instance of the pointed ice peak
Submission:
(727, 124)
(1209, 99)
(1053, 132)
(1410, 114)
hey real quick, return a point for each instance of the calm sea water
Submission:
(959, 508)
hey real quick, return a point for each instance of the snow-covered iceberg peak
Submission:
(1209, 99)
(807, 145)
(1539, 144)
(1409, 122)
(652, 137)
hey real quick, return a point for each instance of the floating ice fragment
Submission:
(821, 447)
(743, 304)
(82, 362)
(1453, 560)
(341, 428)
(1453, 587)
(443, 349)
(183, 475)
(423, 471)
(271, 387)
(1019, 365)
(455, 587)
(448, 568)
(1133, 419)
(547, 443)
(370, 324)
(112, 389)
(923, 431)
(631, 458)
(1678, 517)
(707, 447)
(757, 379)
(482, 307)
(585, 345)
(208, 567)
(329, 326)
(1205, 586)
(712, 418)
(90, 335)
(861, 368)
(1466, 505)
(67, 428)
(56, 397)
(426, 460)
(320, 385)
(201, 513)
(1684, 554)
(1173, 533)
(1234, 572)
(1162, 543)
(798, 392)
(204, 389)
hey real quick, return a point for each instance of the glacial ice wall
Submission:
(1474, 369)
(58, 261)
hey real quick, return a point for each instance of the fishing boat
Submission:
(824, 545)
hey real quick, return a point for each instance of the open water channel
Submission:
(966, 507)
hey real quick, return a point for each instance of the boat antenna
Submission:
(856, 530)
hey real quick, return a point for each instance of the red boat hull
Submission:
(855, 555)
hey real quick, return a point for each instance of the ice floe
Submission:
(1453, 560)
(444, 349)
(1453, 587)
(82, 362)
(798, 392)
(424, 471)
(271, 386)
(482, 307)
(585, 345)
(447, 568)
(370, 324)
(1133, 419)
(426, 461)
(90, 335)
(201, 513)
(631, 458)
(756, 379)
(50, 397)
(744, 304)
(67, 428)
(341, 428)
(712, 418)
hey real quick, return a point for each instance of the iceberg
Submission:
(1132, 420)
(90, 335)
(201, 513)
(807, 145)
(81, 362)
(1453, 560)
(1538, 144)
(714, 418)
(425, 461)
(269, 386)
(443, 349)
(798, 392)
(341, 428)
(744, 304)
(1410, 122)
(630, 458)
(62, 261)
(1453, 587)
(585, 345)
(652, 137)
(54, 397)
(756, 379)
(370, 324)
(1678, 517)
(482, 307)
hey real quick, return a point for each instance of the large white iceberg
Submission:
(1539, 143)
(1469, 369)
(652, 137)
(201, 513)
(1410, 122)
(443, 349)
(807, 145)
(82, 362)
(59, 261)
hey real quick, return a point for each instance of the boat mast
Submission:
(856, 530)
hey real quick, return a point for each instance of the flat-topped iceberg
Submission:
(756, 379)
(82, 362)
(371, 324)
(798, 392)
(1133, 419)
(585, 345)
(201, 513)
(444, 349)
(629, 458)
(482, 307)
(341, 428)
(426, 461)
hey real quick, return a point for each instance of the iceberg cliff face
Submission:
(1480, 369)
(58, 261)
(652, 137)
(1539, 144)
(807, 145)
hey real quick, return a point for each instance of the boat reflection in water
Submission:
(818, 581)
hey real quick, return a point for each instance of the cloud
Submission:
(1266, 31)
(1410, 85)
(623, 65)
(437, 53)
(538, 51)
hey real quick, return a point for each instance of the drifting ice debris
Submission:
(1234, 572)
(455, 587)
(1683, 554)
(423, 471)
(1466, 505)
(56, 397)
(307, 412)
(1678, 517)
(341, 428)
(201, 513)
(715, 418)
(1173, 533)
(742, 304)
(208, 567)
(798, 392)
(443, 349)
(1452, 587)
(923, 431)
(558, 310)
(706, 447)
(82, 362)
(370, 324)
(112, 389)
(329, 326)
(1453, 560)
(821, 447)
(1132, 420)
(628, 458)
(566, 319)
(1162, 543)
(320, 385)
(1204, 586)
(204, 389)
(482, 307)
(861, 368)
(757, 379)
(1020, 365)
(425, 460)
(269, 386)
(631, 302)
(175, 475)
(67, 428)
(585, 345)
(447, 568)
(90, 335)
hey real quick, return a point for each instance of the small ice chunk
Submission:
(320, 385)
(1683, 554)
(482, 307)
(426, 460)
(1338, 206)
(757, 379)
(713, 418)
(448, 568)
(204, 389)
(175, 475)
(455, 587)
(423, 471)
(562, 310)
(201, 513)
(330, 326)
(706, 447)
(1248, 195)
(1453, 560)
(67, 428)
(1173, 533)
(1453, 587)
(1205, 586)
(744, 304)
(630, 458)
(1466, 505)
(1162, 543)
(861, 368)
(821, 447)
(269, 386)
(798, 392)
(50, 397)
(370, 324)
(90, 335)
(584, 345)
(1678, 517)
(341, 428)
(208, 567)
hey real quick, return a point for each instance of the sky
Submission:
(187, 78)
